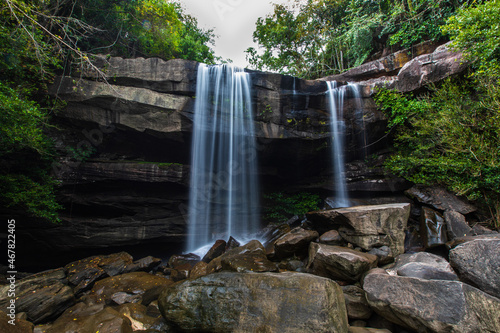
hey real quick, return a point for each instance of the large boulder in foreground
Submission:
(478, 263)
(432, 305)
(254, 302)
(43, 296)
(367, 226)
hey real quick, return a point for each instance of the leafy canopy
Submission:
(316, 38)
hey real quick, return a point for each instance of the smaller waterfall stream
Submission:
(223, 198)
(336, 97)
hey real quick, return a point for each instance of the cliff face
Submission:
(126, 139)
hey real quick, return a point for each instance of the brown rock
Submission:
(331, 237)
(355, 302)
(200, 269)
(367, 226)
(296, 242)
(216, 250)
(137, 283)
(339, 263)
(253, 302)
(440, 199)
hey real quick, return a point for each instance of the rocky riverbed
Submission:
(357, 269)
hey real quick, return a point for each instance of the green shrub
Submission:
(281, 206)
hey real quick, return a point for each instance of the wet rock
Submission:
(432, 305)
(339, 263)
(292, 264)
(384, 255)
(296, 242)
(367, 226)
(331, 237)
(456, 225)
(83, 273)
(250, 302)
(42, 296)
(251, 249)
(216, 250)
(432, 228)
(137, 283)
(272, 233)
(200, 269)
(181, 259)
(140, 320)
(248, 258)
(478, 263)
(440, 199)
(181, 272)
(16, 325)
(123, 297)
(145, 264)
(232, 244)
(355, 302)
(94, 319)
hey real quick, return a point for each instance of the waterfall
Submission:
(336, 97)
(223, 199)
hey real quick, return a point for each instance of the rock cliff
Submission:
(126, 138)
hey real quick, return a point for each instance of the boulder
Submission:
(83, 273)
(182, 259)
(42, 296)
(440, 199)
(339, 263)
(251, 302)
(83, 319)
(200, 269)
(432, 228)
(456, 225)
(384, 254)
(331, 237)
(216, 250)
(478, 263)
(430, 68)
(355, 302)
(140, 320)
(296, 242)
(432, 305)
(367, 226)
(137, 283)
(423, 265)
(145, 264)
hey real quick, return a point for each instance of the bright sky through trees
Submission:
(233, 21)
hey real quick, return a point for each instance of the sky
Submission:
(233, 21)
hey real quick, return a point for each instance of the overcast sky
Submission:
(232, 20)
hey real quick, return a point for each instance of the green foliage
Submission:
(281, 206)
(323, 37)
(476, 31)
(451, 137)
(152, 28)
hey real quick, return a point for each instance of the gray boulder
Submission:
(432, 305)
(252, 302)
(367, 226)
(339, 263)
(423, 265)
(478, 263)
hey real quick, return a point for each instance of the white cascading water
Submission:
(223, 199)
(336, 97)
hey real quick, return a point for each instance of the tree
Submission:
(322, 37)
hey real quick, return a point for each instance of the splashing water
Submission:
(223, 199)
